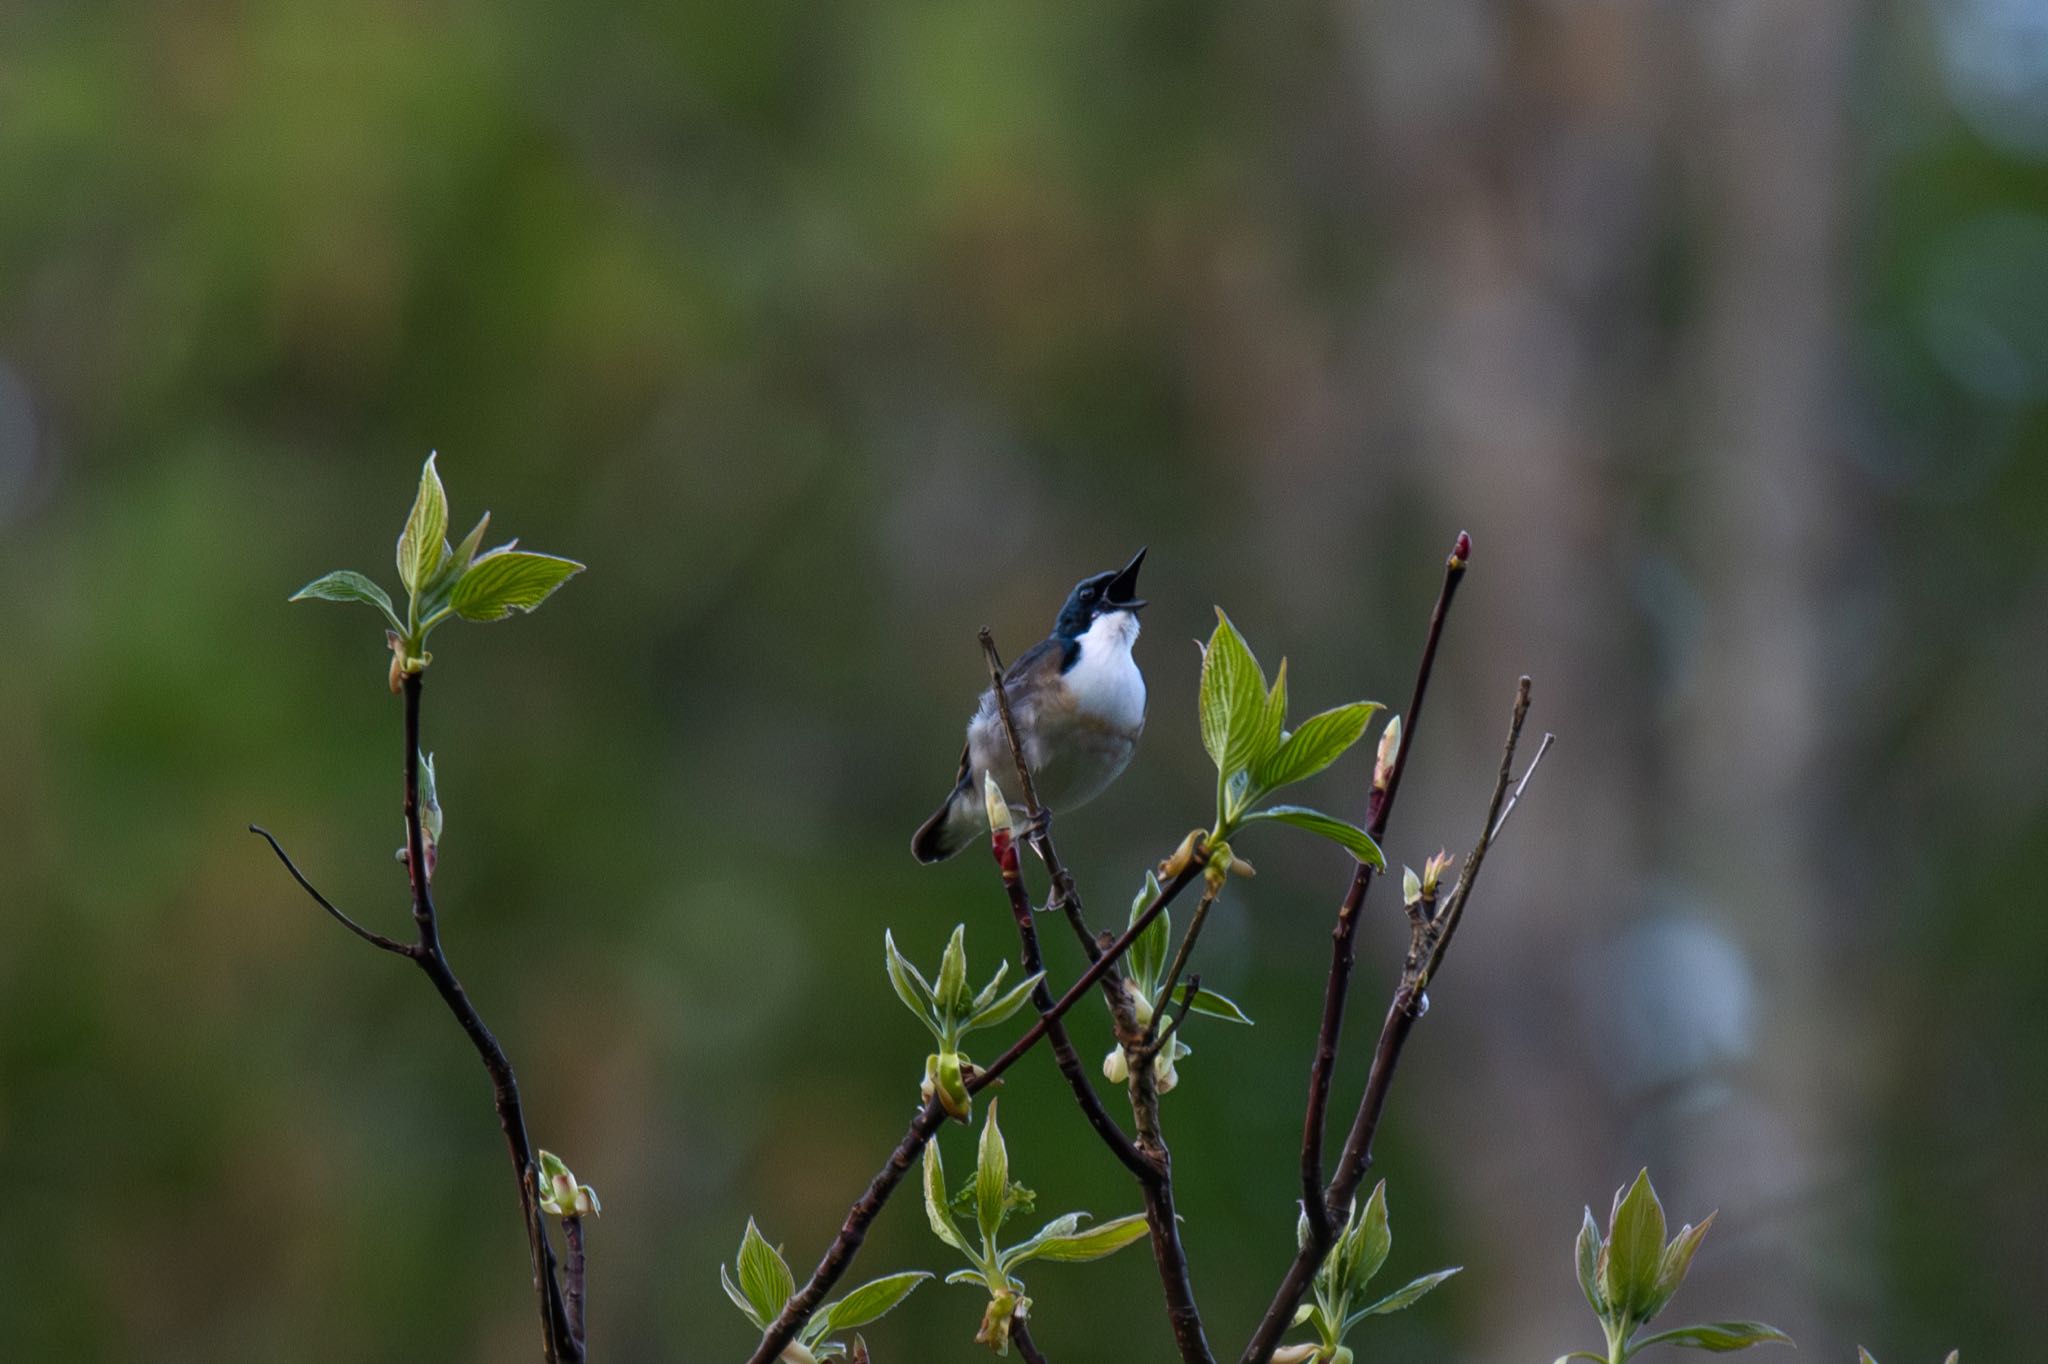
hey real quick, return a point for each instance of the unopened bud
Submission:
(1116, 1067)
(945, 1076)
(796, 1353)
(1001, 832)
(1190, 848)
(430, 799)
(560, 1194)
(1003, 1309)
(1389, 754)
(1297, 1354)
(1411, 886)
(1217, 867)
(998, 807)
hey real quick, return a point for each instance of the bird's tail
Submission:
(952, 826)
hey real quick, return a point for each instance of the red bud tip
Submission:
(1004, 844)
(1461, 552)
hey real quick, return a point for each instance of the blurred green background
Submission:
(827, 333)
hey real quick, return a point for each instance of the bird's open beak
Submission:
(1123, 588)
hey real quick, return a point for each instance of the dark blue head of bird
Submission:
(1116, 590)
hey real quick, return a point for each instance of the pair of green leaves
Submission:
(1629, 1275)
(1244, 728)
(765, 1287)
(949, 1010)
(1356, 1256)
(947, 1006)
(993, 1196)
(443, 580)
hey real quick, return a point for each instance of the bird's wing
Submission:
(1047, 653)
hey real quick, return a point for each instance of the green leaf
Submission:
(995, 1013)
(1718, 1336)
(764, 1275)
(1589, 1264)
(1371, 1241)
(975, 1276)
(988, 991)
(423, 541)
(508, 580)
(1146, 956)
(1635, 1249)
(1273, 721)
(348, 585)
(739, 1299)
(1079, 1246)
(1405, 1296)
(991, 1177)
(911, 987)
(1864, 1356)
(872, 1301)
(1233, 699)
(935, 1209)
(1320, 741)
(951, 990)
(454, 562)
(1213, 1005)
(1675, 1263)
(1353, 839)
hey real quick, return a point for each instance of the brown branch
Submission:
(1148, 1158)
(558, 1341)
(1020, 1336)
(1343, 945)
(372, 938)
(1164, 1035)
(1180, 960)
(839, 1255)
(1064, 1055)
(1161, 1218)
(1431, 939)
(561, 1343)
(572, 1277)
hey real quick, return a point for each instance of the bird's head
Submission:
(1101, 595)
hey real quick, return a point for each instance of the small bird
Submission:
(1078, 701)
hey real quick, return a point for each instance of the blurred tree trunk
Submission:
(1616, 270)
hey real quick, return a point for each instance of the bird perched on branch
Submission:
(1078, 702)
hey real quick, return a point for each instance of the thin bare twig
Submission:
(1343, 946)
(1180, 960)
(1064, 1055)
(572, 1277)
(1180, 1016)
(560, 1344)
(1515, 797)
(558, 1341)
(373, 938)
(1431, 940)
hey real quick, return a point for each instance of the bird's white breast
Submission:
(1105, 682)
